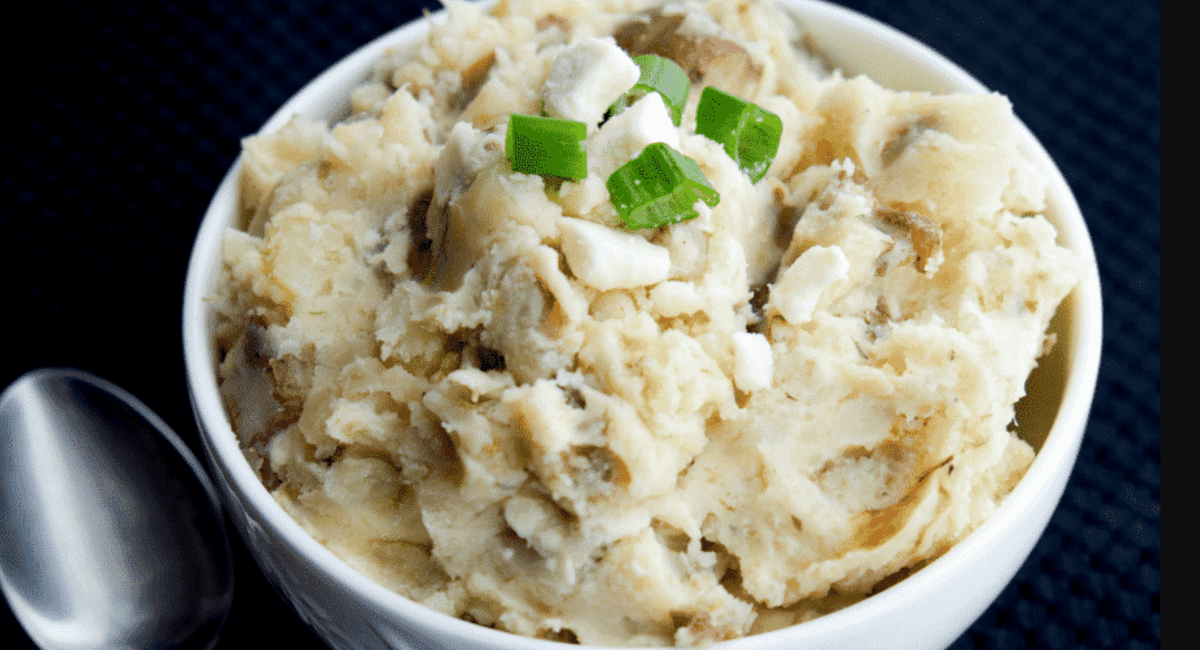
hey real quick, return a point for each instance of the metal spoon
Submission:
(111, 535)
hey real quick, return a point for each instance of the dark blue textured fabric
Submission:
(124, 119)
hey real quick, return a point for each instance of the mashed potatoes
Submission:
(482, 391)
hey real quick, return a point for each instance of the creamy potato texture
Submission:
(480, 389)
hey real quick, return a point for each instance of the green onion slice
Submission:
(658, 187)
(660, 75)
(547, 145)
(749, 134)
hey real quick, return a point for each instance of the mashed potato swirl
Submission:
(477, 388)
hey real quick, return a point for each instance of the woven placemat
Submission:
(127, 117)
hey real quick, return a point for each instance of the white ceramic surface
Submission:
(928, 610)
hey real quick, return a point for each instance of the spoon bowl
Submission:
(112, 535)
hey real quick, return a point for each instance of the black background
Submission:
(126, 118)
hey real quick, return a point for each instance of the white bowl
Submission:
(929, 609)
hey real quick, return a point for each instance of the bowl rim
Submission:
(325, 95)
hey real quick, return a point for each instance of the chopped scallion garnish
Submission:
(749, 134)
(660, 75)
(658, 187)
(547, 145)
